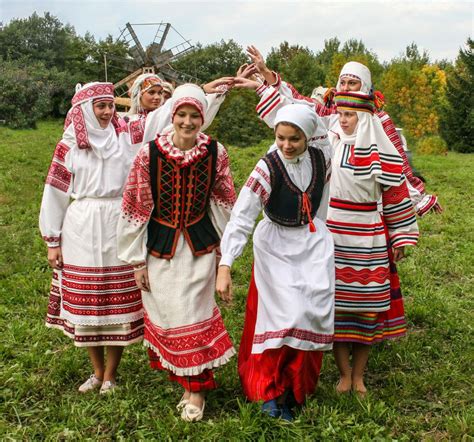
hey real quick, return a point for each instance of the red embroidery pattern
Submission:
(59, 177)
(137, 130)
(60, 152)
(100, 291)
(183, 158)
(98, 90)
(263, 174)
(190, 346)
(52, 238)
(188, 100)
(302, 335)
(223, 192)
(80, 129)
(253, 184)
(137, 203)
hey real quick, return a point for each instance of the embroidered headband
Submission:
(150, 82)
(354, 102)
(187, 100)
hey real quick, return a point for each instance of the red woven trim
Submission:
(99, 90)
(349, 205)
(187, 100)
(302, 335)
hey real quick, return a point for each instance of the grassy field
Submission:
(420, 387)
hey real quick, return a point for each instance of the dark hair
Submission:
(294, 126)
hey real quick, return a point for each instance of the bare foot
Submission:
(344, 385)
(359, 388)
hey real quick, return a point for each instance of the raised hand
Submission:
(247, 71)
(219, 86)
(257, 58)
(246, 83)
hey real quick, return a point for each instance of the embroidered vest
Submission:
(181, 197)
(288, 205)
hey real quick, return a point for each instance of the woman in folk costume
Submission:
(366, 168)
(354, 77)
(146, 95)
(290, 307)
(94, 298)
(176, 204)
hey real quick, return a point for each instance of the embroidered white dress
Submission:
(293, 267)
(183, 325)
(94, 299)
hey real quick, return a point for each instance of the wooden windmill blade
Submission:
(137, 52)
(154, 50)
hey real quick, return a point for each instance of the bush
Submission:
(237, 122)
(29, 92)
(433, 145)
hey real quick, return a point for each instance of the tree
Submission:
(457, 118)
(212, 61)
(297, 65)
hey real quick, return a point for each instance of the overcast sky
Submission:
(386, 27)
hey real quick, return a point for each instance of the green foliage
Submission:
(433, 145)
(41, 60)
(212, 61)
(457, 118)
(237, 122)
(420, 387)
(297, 65)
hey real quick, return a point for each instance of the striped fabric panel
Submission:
(100, 292)
(369, 160)
(368, 328)
(399, 216)
(266, 105)
(389, 129)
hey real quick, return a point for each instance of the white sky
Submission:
(386, 27)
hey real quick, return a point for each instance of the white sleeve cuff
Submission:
(226, 260)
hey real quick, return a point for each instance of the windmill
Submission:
(154, 59)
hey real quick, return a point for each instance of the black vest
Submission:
(285, 204)
(181, 197)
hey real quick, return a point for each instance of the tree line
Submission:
(41, 60)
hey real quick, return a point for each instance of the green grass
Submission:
(420, 387)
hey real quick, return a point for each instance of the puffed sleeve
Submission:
(137, 206)
(249, 204)
(56, 195)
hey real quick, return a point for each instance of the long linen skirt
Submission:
(94, 298)
(290, 311)
(183, 324)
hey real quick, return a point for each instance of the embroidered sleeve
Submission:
(57, 191)
(399, 215)
(137, 206)
(223, 192)
(248, 206)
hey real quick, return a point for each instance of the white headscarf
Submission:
(189, 94)
(82, 127)
(301, 116)
(354, 69)
(374, 153)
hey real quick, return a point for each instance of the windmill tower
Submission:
(154, 59)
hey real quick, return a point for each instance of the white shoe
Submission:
(107, 387)
(182, 403)
(192, 413)
(92, 383)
